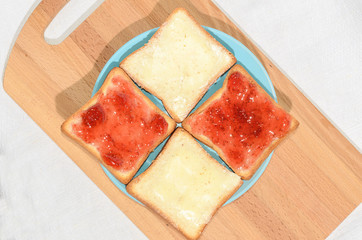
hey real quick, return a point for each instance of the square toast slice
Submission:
(241, 122)
(185, 185)
(119, 125)
(179, 63)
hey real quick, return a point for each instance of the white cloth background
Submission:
(44, 195)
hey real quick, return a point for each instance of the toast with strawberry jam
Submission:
(119, 125)
(241, 122)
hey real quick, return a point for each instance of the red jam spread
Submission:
(242, 122)
(121, 125)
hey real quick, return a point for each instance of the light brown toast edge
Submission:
(213, 78)
(156, 209)
(123, 176)
(246, 174)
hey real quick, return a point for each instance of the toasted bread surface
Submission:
(179, 63)
(185, 184)
(248, 123)
(112, 132)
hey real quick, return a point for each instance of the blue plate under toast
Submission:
(244, 57)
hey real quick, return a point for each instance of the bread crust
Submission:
(213, 78)
(130, 189)
(246, 174)
(66, 127)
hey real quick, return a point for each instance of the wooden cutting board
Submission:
(311, 184)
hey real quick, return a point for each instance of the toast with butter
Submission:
(241, 122)
(179, 63)
(185, 185)
(119, 125)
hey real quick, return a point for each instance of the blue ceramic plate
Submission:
(244, 57)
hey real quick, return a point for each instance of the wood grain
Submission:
(312, 183)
